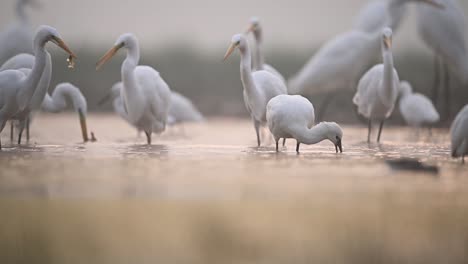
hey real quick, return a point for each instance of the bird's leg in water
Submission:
(284, 142)
(436, 84)
(148, 137)
(20, 134)
(369, 128)
(277, 141)
(257, 128)
(324, 106)
(12, 130)
(380, 131)
(27, 129)
(447, 107)
(297, 147)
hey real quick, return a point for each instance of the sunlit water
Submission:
(203, 193)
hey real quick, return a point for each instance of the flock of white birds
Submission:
(348, 61)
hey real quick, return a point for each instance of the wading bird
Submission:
(259, 86)
(459, 132)
(292, 116)
(444, 32)
(17, 87)
(18, 37)
(145, 95)
(41, 99)
(416, 109)
(377, 90)
(259, 61)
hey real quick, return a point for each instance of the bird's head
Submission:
(333, 132)
(405, 88)
(255, 28)
(127, 40)
(45, 34)
(387, 38)
(237, 41)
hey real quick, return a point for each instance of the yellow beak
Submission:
(230, 50)
(388, 42)
(59, 42)
(109, 54)
(84, 128)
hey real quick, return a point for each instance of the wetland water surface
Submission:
(204, 194)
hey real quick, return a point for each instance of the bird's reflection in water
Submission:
(145, 151)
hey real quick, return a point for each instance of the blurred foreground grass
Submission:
(381, 227)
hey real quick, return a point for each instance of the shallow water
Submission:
(204, 194)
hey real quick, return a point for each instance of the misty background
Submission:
(186, 40)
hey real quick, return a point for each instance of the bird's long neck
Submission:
(32, 80)
(58, 102)
(20, 12)
(388, 89)
(43, 85)
(259, 59)
(246, 72)
(132, 94)
(311, 136)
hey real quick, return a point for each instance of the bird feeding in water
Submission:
(145, 95)
(459, 133)
(377, 90)
(18, 86)
(417, 110)
(259, 86)
(292, 116)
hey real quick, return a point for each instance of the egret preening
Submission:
(259, 86)
(378, 14)
(292, 116)
(459, 132)
(17, 87)
(259, 61)
(18, 37)
(416, 109)
(444, 31)
(145, 95)
(377, 90)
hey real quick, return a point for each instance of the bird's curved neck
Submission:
(32, 80)
(388, 88)
(246, 71)
(313, 135)
(43, 85)
(259, 59)
(58, 102)
(128, 69)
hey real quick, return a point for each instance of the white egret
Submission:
(377, 14)
(377, 90)
(41, 99)
(17, 87)
(444, 32)
(259, 86)
(18, 37)
(259, 61)
(459, 132)
(292, 116)
(417, 110)
(145, 95)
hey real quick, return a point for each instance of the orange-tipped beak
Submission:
(434, 3)
(109, 54)
(59, 42)
(230, 50)
(388, 42)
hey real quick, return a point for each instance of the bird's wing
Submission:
(421, 107)
(275, 72)
(459, 129)
(19, 61)
(365, 91)
(182, 109)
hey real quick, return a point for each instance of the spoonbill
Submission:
(259, 86)
(259, 61)
(17, 87)
(416, 108)
(377, 90)
(377, 14)
(292, 116)
(41, 99)
(18, 37)
(444, 32)
(459, 133)
(146, 97)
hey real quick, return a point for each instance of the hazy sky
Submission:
(207, 24)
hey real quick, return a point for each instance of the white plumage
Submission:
(259, 86)
(377, 14)
(417, 110)
(459, 133)
(292, 116)
(146, 97)
(378, 88)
